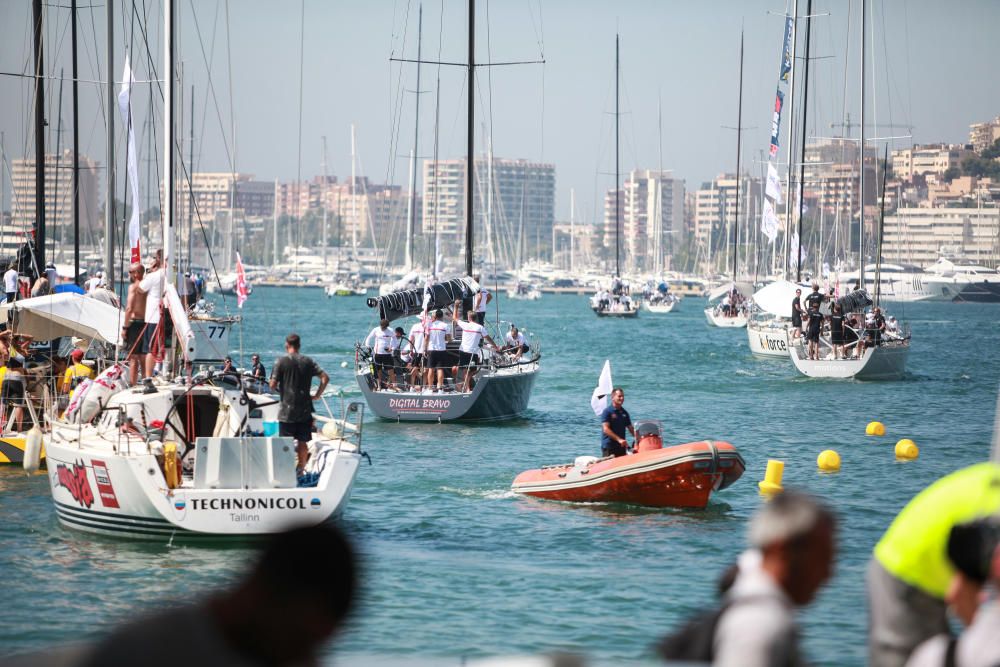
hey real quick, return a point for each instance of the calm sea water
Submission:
(455, 565)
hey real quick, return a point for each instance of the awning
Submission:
(66, 314)
(744, 288)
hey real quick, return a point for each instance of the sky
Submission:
(929, 74)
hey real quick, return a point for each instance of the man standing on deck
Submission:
(909, 573)
(815, 297)
(482, 298)
(10, 280)
(292, 377)
(615, 421)
(468, 351)
(380, 340)
(797, 314)
(135, 323)
(152, 287)
(436, 337)
(257, 370)
(812, 334)
(418, 343)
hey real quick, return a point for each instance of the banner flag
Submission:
(773, 187)
(786, 51)
(779, 100)
(242, 289)
(599, 399)
(769, 221)
(132, 161)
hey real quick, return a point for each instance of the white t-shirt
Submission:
(381, 339)
(417, 336)
(10, 280)
(436, 332)
(472, 333)
(152, 285)
(93, 284)
(514, 341)
(484, 296)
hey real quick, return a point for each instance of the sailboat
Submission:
(195, 457)
(504, 377)
(523, 290)
(730, 312)
(616, 301)
(884, 355)
(341, 286)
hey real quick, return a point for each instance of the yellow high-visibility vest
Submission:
(914, 548)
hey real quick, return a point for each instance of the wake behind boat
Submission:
(503, 379)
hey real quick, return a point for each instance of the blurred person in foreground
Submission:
(281, 613)
(972, 550)
(791, 557)
(909, 573)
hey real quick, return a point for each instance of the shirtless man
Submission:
(135, 322)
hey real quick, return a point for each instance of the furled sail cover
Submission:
(854, 302)
(411, 302)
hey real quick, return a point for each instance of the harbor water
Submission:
(456, 566)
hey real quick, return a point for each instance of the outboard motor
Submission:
(648, 435)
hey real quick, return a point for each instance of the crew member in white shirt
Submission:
(381, 341)
(152, 286)
(515, 343)
(10, 282)
(436, 337)
(468, 351)
(417, 361)
(483, 298)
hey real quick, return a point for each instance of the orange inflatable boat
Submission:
(653, 475)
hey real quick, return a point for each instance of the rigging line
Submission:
(298, 171)
(210, 62)
(437, 120)
(232, 117)
(211, 86)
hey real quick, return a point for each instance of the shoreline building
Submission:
(653, 219)
(58, 200)
(982, 135)
(921, 235)
(523, 198)
(715, 214)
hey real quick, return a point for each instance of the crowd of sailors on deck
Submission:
(733, 303)
(617, 299)
(419, 359)
(849, 334)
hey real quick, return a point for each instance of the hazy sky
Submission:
(934, 68)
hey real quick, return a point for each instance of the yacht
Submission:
(948, 281)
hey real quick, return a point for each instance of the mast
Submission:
(470, 141)
(39, 240)
(791, 123)
(572, 226)
(354, 199)
(617, 176)
(802, 165)
(881, 228)
(411, 218)
(274, 228)
(109, 204)
(190, 220)
(323, 193)
(861, 176)
(739, 182)
(168, 139)
(76, 152)
(658, 237)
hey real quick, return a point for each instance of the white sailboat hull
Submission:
(659, 308)
(718, 319)
(768, 339)
(885, 362)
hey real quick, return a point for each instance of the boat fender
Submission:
(171, 465)
(221, 420)
(584, 461)
(33, 450)
(333, 429)
(715, 457)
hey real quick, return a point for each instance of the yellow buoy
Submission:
(875, 428)
(907, 449)
(828, 461)
(772, 477)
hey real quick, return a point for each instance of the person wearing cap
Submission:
(94, 283)
(909, 573)
(257, 370)
(52, 275)
(972, 550)
(793, 536)
(76, 371)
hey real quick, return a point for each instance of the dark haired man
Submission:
(615, 421)
(292, 377)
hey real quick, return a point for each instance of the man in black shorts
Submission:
(837, 331)
(812, 335)
(797, 314)
(292, 377)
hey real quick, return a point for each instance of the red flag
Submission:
(242, 290)
(136, 253)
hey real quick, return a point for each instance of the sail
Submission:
(599, 399)
(404, 303)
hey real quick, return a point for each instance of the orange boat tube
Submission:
(653, 476)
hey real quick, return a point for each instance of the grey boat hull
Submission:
(497, 395)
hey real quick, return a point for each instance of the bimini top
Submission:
(404, 303)
(66, 314)
(776, 298)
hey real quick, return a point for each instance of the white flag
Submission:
(599, 399)
(773, 187)
(769, 221)
(132, 161)
(793, 251)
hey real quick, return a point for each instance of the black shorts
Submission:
(437, 359)
(813, 335)
(383, 361)
(148, 339)
(301, 431)
(467, 358)
(614, 450)
(481, 317)
(134, 337)
(416, 359)
(837, 339)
